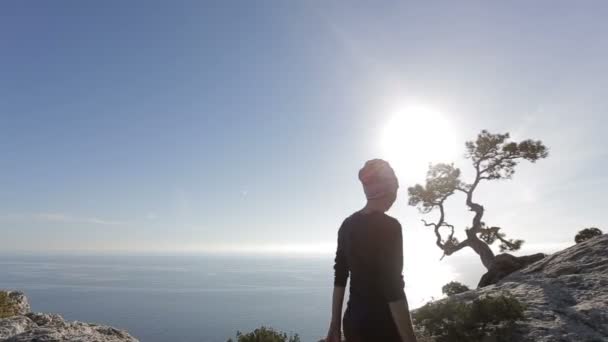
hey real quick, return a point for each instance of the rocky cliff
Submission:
(566, 294)
(20, 325)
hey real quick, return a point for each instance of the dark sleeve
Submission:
(391, 269)
(340, 265)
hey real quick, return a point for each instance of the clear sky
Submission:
(177, 126)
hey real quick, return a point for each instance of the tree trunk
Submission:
(482, 249)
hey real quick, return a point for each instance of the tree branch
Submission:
(499, 161)
(503, 240)
(445, 224)
(428, 224)
(457, 247)
(440, 223)
(437, 234)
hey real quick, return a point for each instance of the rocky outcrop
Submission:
(505, 264)
(18, 302)
(566, 295)
(28, 326)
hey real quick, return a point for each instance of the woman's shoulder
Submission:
(350, 219)
(377, 218)
(391, 219)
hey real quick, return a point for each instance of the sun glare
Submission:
(415, 136)
(424, 272)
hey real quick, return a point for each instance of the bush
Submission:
(455, 321)
(453, 288)
(264, 334)
(587, 234)
(6, 306)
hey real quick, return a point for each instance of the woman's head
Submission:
(379, 183)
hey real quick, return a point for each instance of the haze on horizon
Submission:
(224, 127)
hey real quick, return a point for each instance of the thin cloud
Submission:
(65, 218)
(151, 216)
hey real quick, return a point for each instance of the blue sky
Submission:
(238, 125)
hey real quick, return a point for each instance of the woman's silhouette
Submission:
(370, 248)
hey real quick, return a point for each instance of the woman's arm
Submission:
(392, 274)
(401, 315)
(340, 278)
(335, 327)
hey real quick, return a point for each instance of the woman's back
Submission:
(370, 248)
(371, 245)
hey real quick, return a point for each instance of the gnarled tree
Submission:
(493, 157)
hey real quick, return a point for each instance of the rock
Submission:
(505, 264)
(566, 295)
(15, 302)
(54, 328)
(20, 302)
(40, 327)
(47, 320)
(15, 325)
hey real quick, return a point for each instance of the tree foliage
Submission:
(587, 234)
(265, 334)
(451, 320)
(496, 156)
(493, 157)
(453, 288)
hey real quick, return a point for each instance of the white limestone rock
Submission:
(40, 327)
(52, 327)
(566, 294)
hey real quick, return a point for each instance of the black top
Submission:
(370, 247)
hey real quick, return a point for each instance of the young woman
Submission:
(370, 248)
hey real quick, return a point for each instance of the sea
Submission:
(179, 298)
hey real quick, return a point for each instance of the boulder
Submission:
(505, 264)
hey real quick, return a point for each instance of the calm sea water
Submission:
(177, 298)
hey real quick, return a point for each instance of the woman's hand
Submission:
(401, 316)
(334, 334)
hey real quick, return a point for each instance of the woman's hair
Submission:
(378, 179)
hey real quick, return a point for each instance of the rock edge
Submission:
(42, 327)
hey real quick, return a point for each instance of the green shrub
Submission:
(587, 234)
(453, 288)
(264, 334)
(6, 306)
(456, 321)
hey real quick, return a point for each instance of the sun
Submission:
(416, 136)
